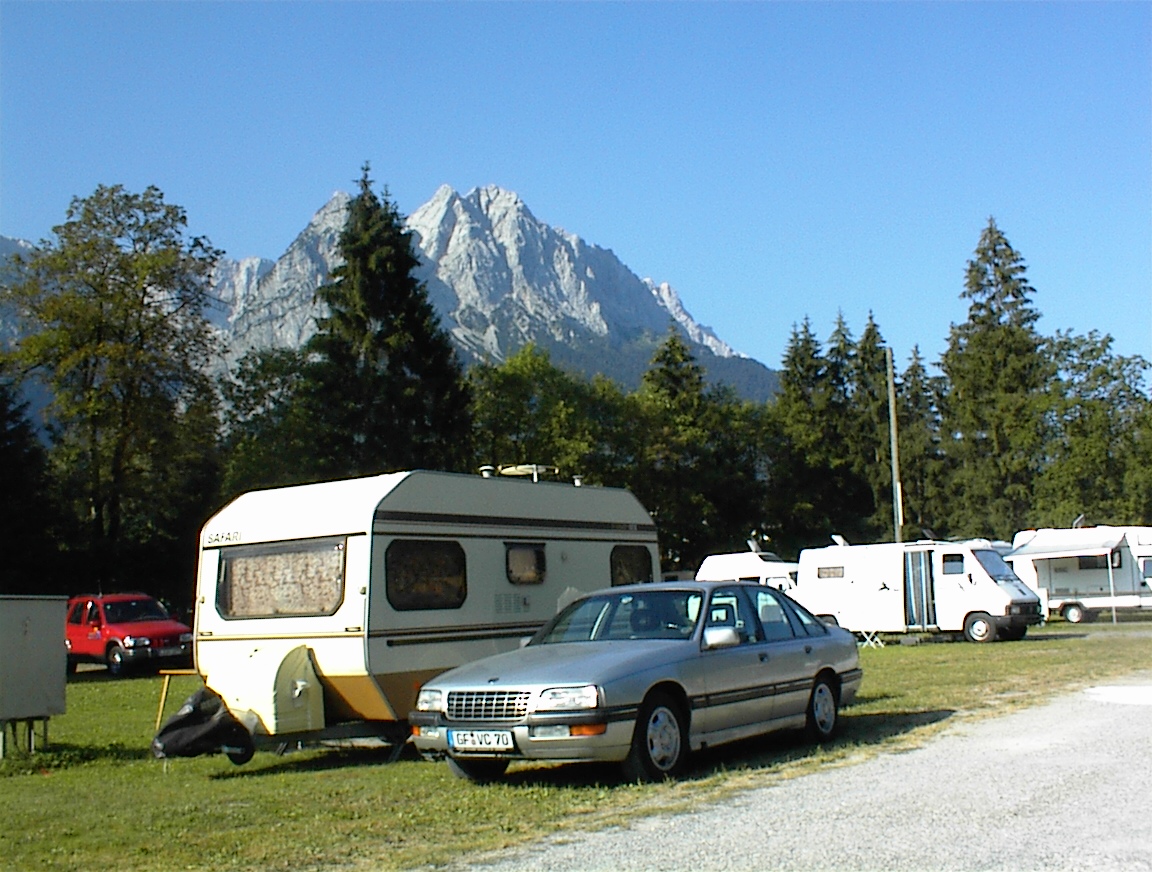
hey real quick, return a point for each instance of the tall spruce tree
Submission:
(384, 383)
(815, 490)
(868, 438)
(993, 413)
(921, 462)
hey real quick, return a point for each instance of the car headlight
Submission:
(137, 641)
(568, 698)
(185, 637)
(429, 700)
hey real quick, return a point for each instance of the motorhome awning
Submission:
(1050, 544)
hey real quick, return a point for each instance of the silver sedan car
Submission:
(641, 675)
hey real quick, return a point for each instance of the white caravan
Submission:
(1079, 571)
(321, 608)
(925, 586)
(763, 567)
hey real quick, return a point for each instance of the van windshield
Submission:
(995, 566)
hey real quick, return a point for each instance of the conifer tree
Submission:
(384, 383)
(921, 463)
(993, 413)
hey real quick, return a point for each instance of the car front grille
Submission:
(487, 705)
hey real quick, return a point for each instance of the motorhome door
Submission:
(919, 590)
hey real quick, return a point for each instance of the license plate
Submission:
(168, 652)
(481, 740)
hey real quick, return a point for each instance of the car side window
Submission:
(93, 614)
(773, 618)
(731, 608)
(804, 621)
(76, 616)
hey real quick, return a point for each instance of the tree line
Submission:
(132, 444)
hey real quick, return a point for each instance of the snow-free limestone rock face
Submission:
(498, 278)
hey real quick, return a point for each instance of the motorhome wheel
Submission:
(978, 627)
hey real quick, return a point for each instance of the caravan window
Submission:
(524, 564)
(1099, 561)
(631, 564)
(829, 571)
(425, 574)
(302, 577)
(1148, 568)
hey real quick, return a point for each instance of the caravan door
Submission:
(919, 591)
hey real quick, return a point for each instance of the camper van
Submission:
(925, 586)
(1080, 571)
(321, 609)
(763, 567)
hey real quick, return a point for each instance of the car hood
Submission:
(150, 628)
(568, 663)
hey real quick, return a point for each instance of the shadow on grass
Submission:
(60, 755)
(762, 752)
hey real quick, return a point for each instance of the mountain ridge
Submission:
(498, 278)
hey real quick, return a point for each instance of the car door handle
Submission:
(763, 656)
(807, 649)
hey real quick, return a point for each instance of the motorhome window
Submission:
(830, 572)
(1099, 561)
(425, 574)
(953, 564)
(631, 564)
(297, 578)
(995, 565)
(524, 564)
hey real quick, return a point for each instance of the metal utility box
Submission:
(32, 660)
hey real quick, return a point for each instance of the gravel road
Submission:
(1063, 786)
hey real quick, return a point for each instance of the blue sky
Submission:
(771, 161)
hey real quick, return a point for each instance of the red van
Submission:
(125, 631)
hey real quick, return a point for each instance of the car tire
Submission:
(116, 661)
(70, 667)
(1074, 613)
(823, 711)
(979, 627)
(659, 741)
(477, 771)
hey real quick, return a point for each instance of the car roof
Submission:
(105, 597)
(687, 584)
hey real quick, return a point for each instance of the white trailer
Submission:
(925, 586)
(1079, 571)
(763, 567)
(321, 609)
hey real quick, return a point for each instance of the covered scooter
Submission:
(203, 725)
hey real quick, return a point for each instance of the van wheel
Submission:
(823, 711)
(115, 660)
(477, 771)
(659, 741)
(1074, 613)
(978, 627)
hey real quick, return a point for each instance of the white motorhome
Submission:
(763, 567)
(321, 608)
(925, 586)
(1080, 571)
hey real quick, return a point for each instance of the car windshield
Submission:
(995, 566)
(132, 611)
(656, 614)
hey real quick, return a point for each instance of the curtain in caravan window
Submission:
(301, 577)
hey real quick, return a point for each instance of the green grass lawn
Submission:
(96, 799)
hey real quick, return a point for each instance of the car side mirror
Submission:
(721, 637)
